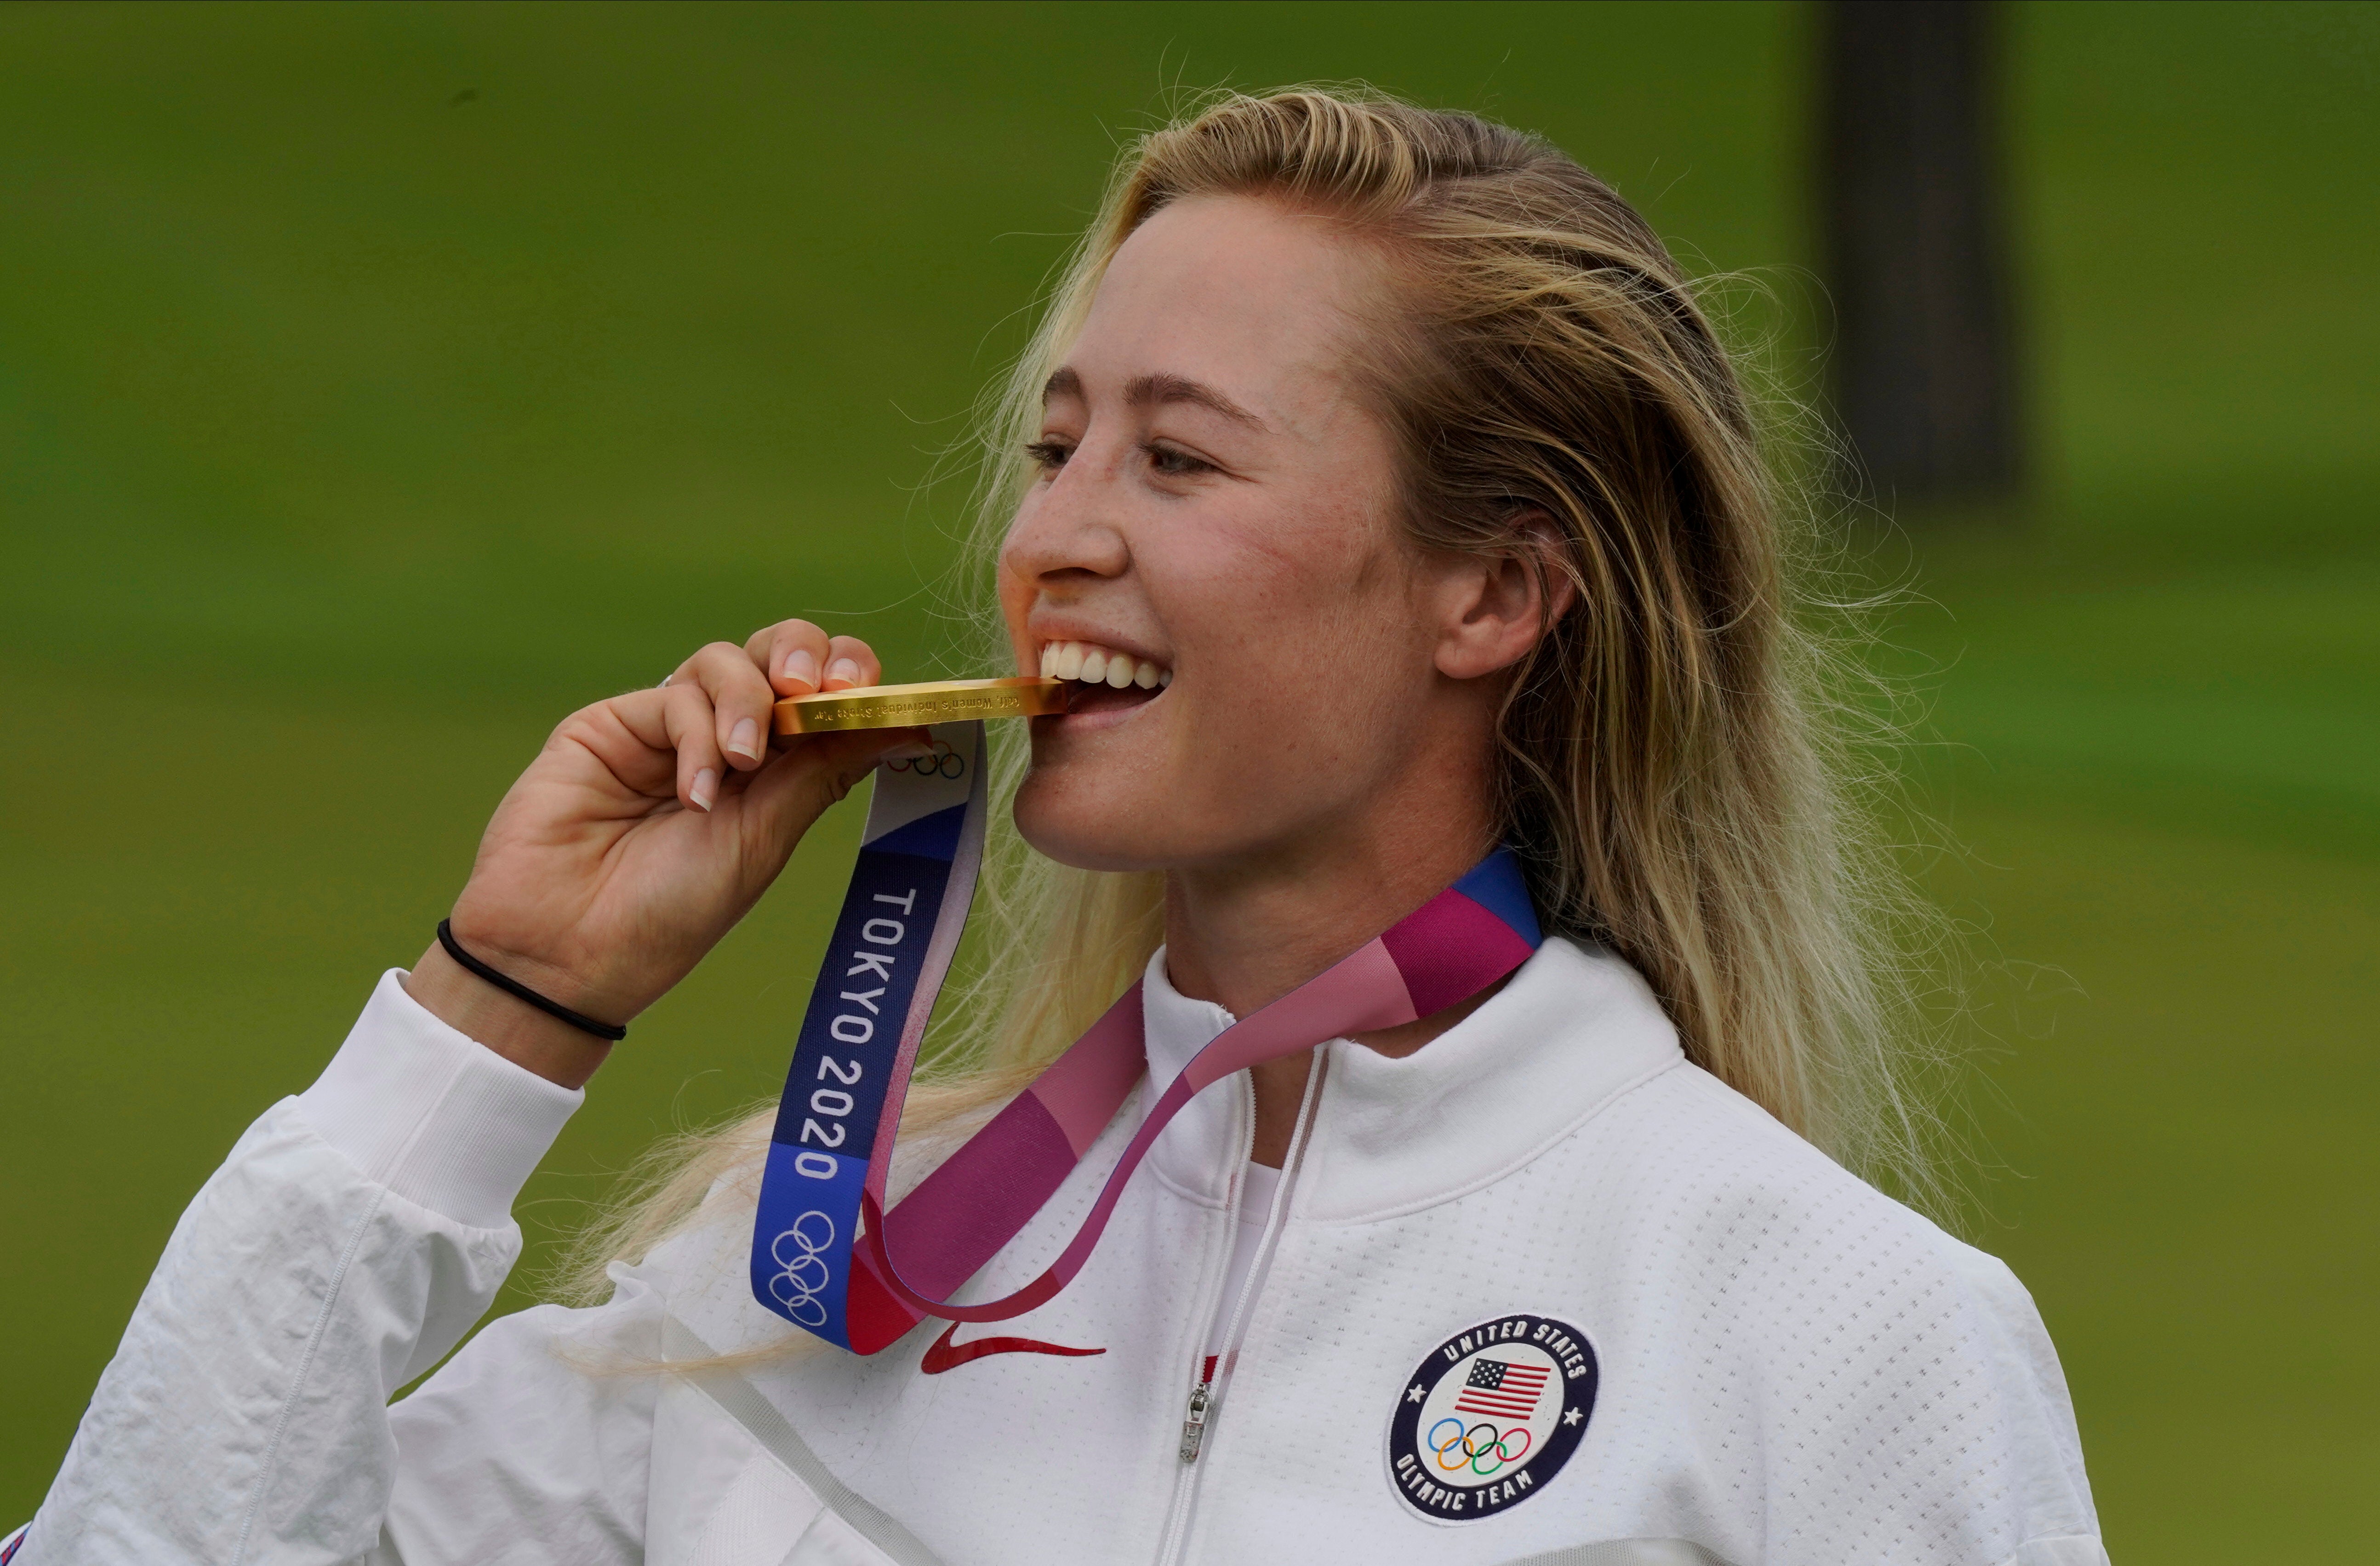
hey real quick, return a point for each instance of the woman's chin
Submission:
(1079, 828)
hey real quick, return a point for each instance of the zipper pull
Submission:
(1194, 1427)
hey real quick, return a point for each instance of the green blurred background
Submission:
(379, 383)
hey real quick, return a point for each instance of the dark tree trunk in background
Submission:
(1924, 368)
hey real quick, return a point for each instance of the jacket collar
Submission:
(1575, 1029)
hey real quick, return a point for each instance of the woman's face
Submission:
(1216, 505)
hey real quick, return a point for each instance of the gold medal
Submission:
(934, 701)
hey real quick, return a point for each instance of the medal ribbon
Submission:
(823, 1244)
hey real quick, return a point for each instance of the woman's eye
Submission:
(1176, 463)
(1048, 456)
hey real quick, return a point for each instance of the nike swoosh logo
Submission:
(944, 1354)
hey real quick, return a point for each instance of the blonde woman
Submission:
(1390, 458)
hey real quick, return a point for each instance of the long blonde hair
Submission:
(1680, 755)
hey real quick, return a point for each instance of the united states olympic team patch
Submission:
(1489, 1415)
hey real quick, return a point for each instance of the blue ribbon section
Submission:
(833, 1108)
(1497, 884)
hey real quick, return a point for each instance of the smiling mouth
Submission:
(1102, 679)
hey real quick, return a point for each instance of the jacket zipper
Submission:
(1207, 1396)
(1194, 1428)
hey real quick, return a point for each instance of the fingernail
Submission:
(845, 670)
(908, 750)
(746, 740)
(705, 789)
(801, 668)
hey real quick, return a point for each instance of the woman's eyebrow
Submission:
(1153, 391)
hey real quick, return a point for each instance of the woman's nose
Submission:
(1070, 525)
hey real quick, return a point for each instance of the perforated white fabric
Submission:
(1794, 1371)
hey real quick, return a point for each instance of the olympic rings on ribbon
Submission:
(1476, 1447)
(805, 1276)
(944, 762)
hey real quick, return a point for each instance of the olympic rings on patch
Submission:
(1476, 1447)
(807, 1275)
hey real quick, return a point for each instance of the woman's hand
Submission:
(644, 830)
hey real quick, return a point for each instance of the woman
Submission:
(1388, 457)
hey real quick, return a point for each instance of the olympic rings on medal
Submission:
(944, 762)
(1479, 1443)
(804, 1276)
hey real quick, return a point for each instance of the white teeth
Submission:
(1094, 664)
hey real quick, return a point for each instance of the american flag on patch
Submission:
(1502, 1390)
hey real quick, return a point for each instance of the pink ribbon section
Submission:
(961, 1216)
(1357, 994)
(1442, 947)
(1090, 1081)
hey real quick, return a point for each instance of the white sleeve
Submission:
(2051, 1491)
(534, 1444)
(354, 1235)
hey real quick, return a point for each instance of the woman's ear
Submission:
(1494, 607)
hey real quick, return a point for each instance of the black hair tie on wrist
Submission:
(520, 992)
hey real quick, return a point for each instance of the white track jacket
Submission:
(1540, 1288)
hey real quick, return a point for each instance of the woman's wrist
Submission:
(512, 1028)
